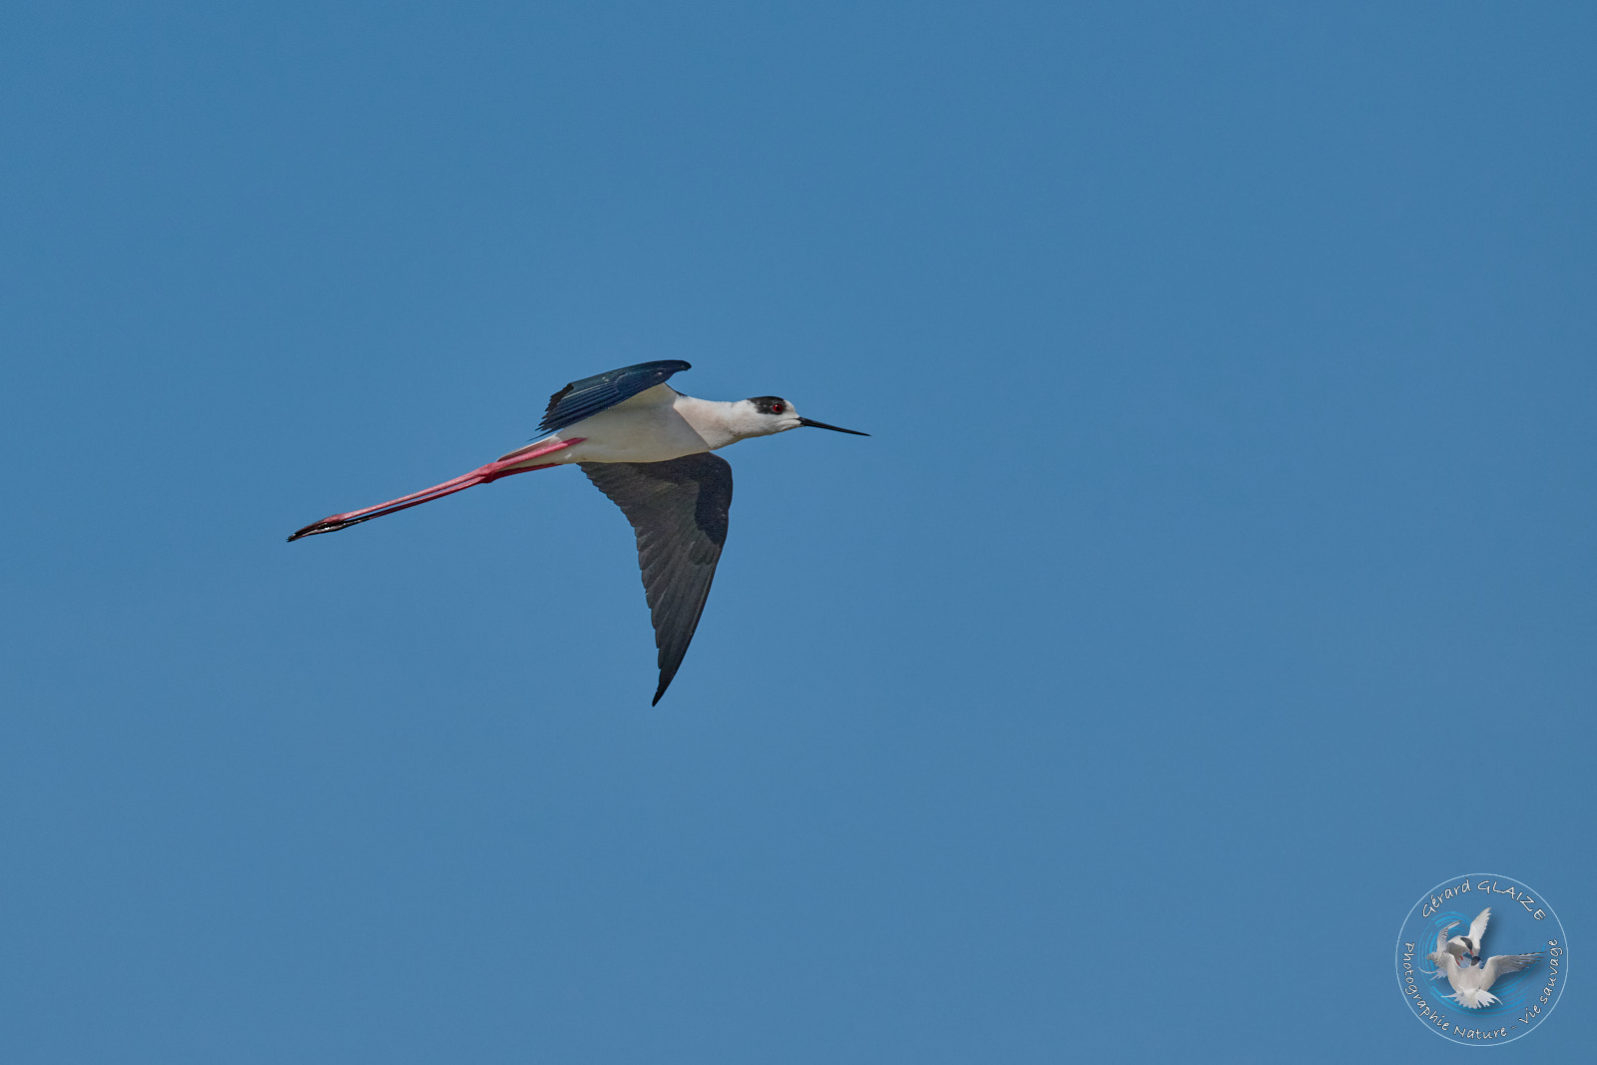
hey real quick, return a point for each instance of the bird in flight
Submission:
(1471, 982)
(646, 446)
(1470, 945)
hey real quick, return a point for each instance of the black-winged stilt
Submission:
(647, 447)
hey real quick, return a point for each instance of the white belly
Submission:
(620, 435)
(652, 434)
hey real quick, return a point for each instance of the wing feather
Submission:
(587, 397)
(1507, 963)
(1477, 927)
(678, 510)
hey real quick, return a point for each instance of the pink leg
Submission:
(481, 475)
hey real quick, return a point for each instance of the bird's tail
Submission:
(505, 467)
(1474, 998)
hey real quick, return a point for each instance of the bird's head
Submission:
(1464, 949)
(764, 415)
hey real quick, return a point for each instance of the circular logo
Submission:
(1481, 959)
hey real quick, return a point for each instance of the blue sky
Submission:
(1217, 579)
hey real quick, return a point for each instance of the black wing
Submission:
(589, 396)
(678, 509)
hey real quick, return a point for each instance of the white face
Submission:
(770, 414)
(764, 415)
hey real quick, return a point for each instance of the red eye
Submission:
(778, 408)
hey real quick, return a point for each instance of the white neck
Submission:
(722, 423)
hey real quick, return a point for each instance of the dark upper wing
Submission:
(679, 511)
(589, 396)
